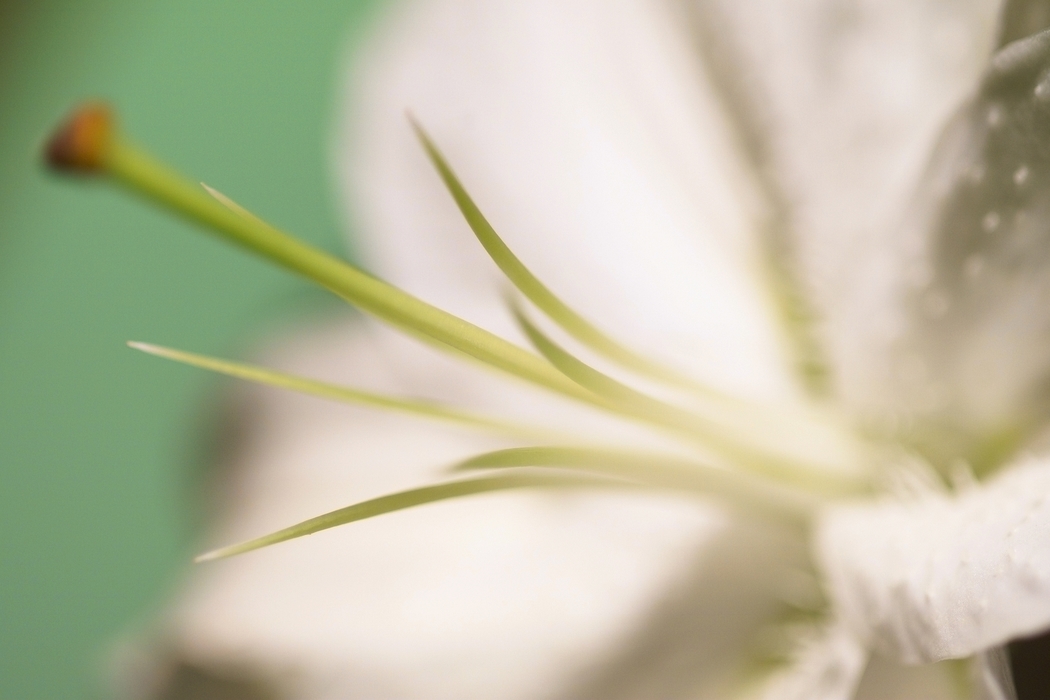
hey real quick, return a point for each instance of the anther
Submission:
(81, 144)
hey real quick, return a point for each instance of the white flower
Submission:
(671, 170)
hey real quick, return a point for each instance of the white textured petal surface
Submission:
(508, 595)
(968, 353)
(842, 100)
(944, 576)
(589, 135)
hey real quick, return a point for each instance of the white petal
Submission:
(695, 637)
(943, 576)
(506, 596)
(842, 101)
(968, 351)
(590, 136)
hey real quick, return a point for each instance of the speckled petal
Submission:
(943, 576)
(964, 281)
(841, 102)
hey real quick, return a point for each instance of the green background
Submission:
(98, 444)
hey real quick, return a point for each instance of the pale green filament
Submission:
(340, 393)
(791, 304)
(538, 293)
(524, 479)
(142, 173)
(554, 369)
(647, 409)
(608, 394)
(623, 399)
(232, 205)
(658, 471)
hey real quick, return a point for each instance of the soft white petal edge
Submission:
(943, 576)
(588, 134)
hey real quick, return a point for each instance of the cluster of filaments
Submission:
(766, 476)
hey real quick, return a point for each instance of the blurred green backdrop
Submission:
(97, 442)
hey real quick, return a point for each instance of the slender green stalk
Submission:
(610, 395)
(538, 293)
(631, 403)
(141, 173)
(652, 469)
(90, 143)
(417, 497)
(344, 394)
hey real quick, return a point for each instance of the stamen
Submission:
(90, 143)
(82, 144)
(344, 394)
(622, 399)
(582, 330)
(538, 293)
(524, 479)
(232, 205)
(658, 471)
(107, 152)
